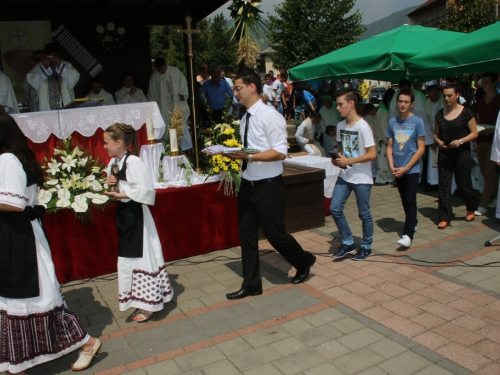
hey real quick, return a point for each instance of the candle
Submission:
(149, 128)
(173, 140)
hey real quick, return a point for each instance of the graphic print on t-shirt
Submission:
(402, 134)
(350, 143)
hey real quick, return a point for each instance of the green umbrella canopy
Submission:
(476, 52)
(379, 57)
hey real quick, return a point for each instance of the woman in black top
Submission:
(455, 128)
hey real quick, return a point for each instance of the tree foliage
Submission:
(306, 29)
(467, 16)
(211, 46)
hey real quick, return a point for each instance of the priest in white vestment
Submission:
(329, 116)
(129, 93)
(7, 95)
(30, 92)
(378, 119)
(53, 80)
(306, 135)
(98, 92)
(433, 104)
(169, 89)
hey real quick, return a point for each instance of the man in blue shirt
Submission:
(306, 102)
(216, 96)
(405, 147)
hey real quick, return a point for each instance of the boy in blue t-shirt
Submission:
(405, 147)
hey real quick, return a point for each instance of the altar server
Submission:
(129, 93)
(98, 92)
(142, 275)
(53, 79)
(36, 325)
(7, 96)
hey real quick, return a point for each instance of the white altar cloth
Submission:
(38, 126)
(331, 171)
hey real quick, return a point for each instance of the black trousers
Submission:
(458, 162)
(264, 203)
(407, 187)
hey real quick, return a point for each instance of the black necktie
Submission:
(245, 139)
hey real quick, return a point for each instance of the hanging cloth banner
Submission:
(77, 51)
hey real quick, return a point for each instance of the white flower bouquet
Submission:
(73, 180)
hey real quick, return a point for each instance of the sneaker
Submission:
(480, 211)
(362, 254)
(493, 203)
(344, 250)
(405, 241)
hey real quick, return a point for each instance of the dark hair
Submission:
(249, 77)
(284, 75)
(329, 128)
(404, 82)
(126, 134)
(127, 74)
(12, 140)
(159, 62)
(38, 52)
(203, 66)
(349, 93)
(432, 88)
(96, 80)
(267, 76)
(407, 92)
(315, 115)
(451, 79)
(388, 97)
(51, 48)
(452, 86)
(491, 75)
(368, 107)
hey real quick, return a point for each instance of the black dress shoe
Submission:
(303, 274)
(245, 292)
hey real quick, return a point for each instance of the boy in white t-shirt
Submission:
(357, 151)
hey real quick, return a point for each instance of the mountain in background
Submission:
(396, 19)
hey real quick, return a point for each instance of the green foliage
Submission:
(467, 16)
(212, 45)
(306, 29)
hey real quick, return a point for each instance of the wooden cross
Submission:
(189, 31)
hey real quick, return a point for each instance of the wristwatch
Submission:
(250, 158)
(461, 142)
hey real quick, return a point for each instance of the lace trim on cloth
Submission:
(148, 287)
(23, 338)
(19, 196)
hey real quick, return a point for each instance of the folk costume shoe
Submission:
(245, 292)
(469, 216)
(303, 273)
(443, 224)
(85, 358)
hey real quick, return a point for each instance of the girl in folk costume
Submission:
(142, 275)
(35, 324)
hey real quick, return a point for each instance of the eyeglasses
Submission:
(238, 88)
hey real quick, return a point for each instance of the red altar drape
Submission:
(94, 144)
(190, 221)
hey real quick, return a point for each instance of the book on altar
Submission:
(84, 102)
(219, 149)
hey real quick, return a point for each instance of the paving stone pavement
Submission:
(429, 310)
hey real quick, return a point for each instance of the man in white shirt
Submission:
(129, 93)
(30, 92)
(97, 92)
(261, 199)
(7, 96)
(357, 151)
(53, 79)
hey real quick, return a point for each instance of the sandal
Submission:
(469, 216)
(85, 358)
(443, 224)
(140, 315)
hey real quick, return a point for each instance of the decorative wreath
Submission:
(110, 38)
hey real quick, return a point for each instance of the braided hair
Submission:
(126, 134)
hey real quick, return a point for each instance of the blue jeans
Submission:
(341, 192)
